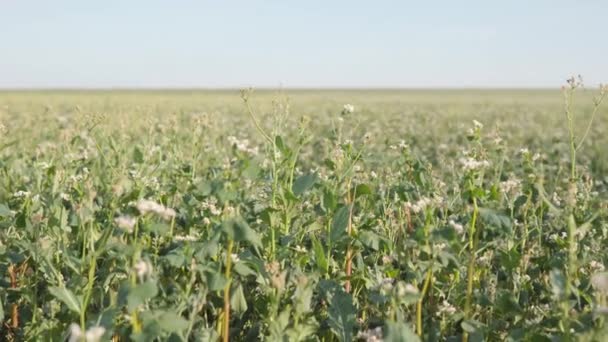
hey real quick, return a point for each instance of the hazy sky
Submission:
(133, 43)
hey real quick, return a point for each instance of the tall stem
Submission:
(349, 252)
(226, 322)
(425, 287)
(428, 277)
(471, 268)
(568, 107)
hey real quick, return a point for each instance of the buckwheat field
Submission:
(301, 215)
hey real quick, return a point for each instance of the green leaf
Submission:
(238, 230)
(107, 317)
(175, 258)
(171, 322)
(342, 316)
(507, 303)
(278, 326)
(157, 228)
(204, 189)
(303, 331)
(302, 297)
(330, 202)
(339, 223)
(370, 239)
(474, 328)
(140, 293)
(67, 297)
(208, 249)
(215, 280)
(362, 190)
(495, 219)
(242, 269)
(238, 303)
(280, 144)
(303, 183)
(5, 211)
(138, 156)
(319, 255)
(398, 332)
(510, 259)
(224, 195)
(558, 283)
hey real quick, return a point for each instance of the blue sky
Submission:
(311, 43)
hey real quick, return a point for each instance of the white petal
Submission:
(75, 333)
(94, 334)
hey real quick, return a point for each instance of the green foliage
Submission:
(148, 220)
(67, 297)
(342, 314)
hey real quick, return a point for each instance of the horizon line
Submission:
(269, 88)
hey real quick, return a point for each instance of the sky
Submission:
(294, 44)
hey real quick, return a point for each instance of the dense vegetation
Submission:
(325, 215)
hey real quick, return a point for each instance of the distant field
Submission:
(197, 215)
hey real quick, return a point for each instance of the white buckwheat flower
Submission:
(348, 109)
(142, 269)
(93, 334)
(596, 266)
(146, 206)
(235, 258)
(446, 308)
(423, 203)
(190, 237)
(511, 186)
(457, 226)
(472, 164)
(371, 335)
(125, 223)
(599, 281)
(21, 193)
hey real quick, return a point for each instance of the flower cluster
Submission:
(125, 223)
(146, 206)
(423, 203)
(472, 164)
(142, 269)
(446, 308)
(242, 145)
(511, 186)
(210, 204)
(93, 334)
(371, 335)
(348, 109)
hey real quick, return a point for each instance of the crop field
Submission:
(304, 215)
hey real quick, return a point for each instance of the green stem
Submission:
(255, 121)
(570, 119)
(429, 274)
(136, 255)
(89, 290)
(595, 108)
(471, 268)
(425, 287)
(349, 251)
(226, 318)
